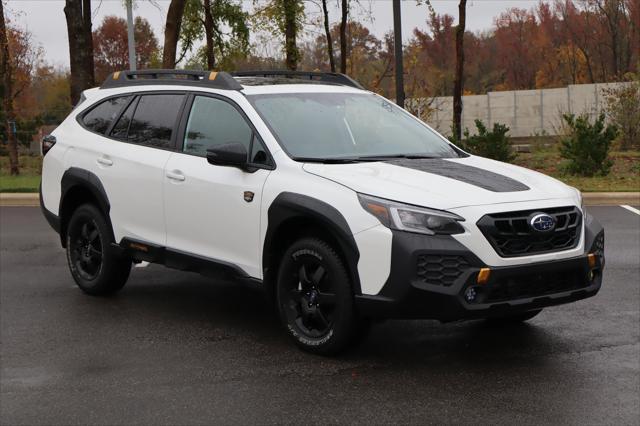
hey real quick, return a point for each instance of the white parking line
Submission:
(631, 209)
(142, 264)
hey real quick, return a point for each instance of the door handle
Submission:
(176, 175)
(104, 161)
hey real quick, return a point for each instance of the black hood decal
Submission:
(468, 174)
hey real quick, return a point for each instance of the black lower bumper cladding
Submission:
(430, 277)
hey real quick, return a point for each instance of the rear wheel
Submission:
(314, 298)
(514, 318)
(94, 265)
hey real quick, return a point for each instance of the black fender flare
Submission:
(75, 177)
(289, 205)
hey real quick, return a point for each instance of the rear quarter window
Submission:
(100, 117)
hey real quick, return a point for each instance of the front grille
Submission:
(534, 285)
(440, 270)
(511, 235)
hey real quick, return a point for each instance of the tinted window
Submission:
(121, 128)
(214, 122)
(154, 120)
(99, 118)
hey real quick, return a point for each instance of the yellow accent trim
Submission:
(139, 247)
(483, 275)
(116, 75)
(213, 75)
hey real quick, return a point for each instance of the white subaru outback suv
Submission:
(344, 207)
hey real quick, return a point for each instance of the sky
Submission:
(46, 21)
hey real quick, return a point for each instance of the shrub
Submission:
(586, 146)
(623, 109)
(493, 144)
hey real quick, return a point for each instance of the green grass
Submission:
(624, 175)
(22, 183)
(29, 177)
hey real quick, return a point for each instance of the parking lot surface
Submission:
(176, 348)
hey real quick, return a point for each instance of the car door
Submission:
(131, 165)
(214, 211)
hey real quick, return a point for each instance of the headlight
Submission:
(410, 218)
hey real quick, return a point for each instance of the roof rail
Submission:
(327, 77)
(212, 79)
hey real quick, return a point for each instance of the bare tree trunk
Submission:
(78, 14)
(343, 36)
(171, 33)
(208, 33)
(327, 30)
(7, 95)
(457, 88)
(88, 38)
(290, 34)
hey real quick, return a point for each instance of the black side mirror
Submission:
(232, 154)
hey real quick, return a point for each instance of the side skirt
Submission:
(175, 259)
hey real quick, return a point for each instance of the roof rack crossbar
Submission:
(212, 79)
(328, 77)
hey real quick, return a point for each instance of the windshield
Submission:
(347, 126)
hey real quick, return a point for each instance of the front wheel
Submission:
(314, 298)
(94, 265)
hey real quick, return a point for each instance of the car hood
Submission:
(444, 183)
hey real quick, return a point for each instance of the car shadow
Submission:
(171, 302)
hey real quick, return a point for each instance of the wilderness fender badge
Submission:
(248, 196)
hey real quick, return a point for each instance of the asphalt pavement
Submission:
(176, 348)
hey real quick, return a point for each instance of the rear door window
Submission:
(154, 120)
(99, 118)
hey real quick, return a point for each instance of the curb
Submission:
(590, 199)
(610, 198)
(8, 199)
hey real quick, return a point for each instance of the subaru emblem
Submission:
(542, 222)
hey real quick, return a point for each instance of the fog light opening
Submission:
(470, 295)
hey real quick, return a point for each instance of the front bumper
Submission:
(430, 276)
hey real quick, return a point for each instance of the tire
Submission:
(515, 318)
(94, 265)
(315, 299)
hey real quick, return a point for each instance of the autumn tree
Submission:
(6, 90)
(282, 18)
(224, 24)
(172, 33)
(78, 16)
(111, 52)
(19, 57)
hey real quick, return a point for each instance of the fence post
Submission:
(488, 110)
(541, 111)
(515, 113)
(569, 98)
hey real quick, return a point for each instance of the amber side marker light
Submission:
(591, 258)
(483, 275)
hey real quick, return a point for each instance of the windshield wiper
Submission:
(344, 160)
(395, 156)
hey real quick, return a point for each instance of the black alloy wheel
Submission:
(315, 298)
(86, 249)
(96, 267)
